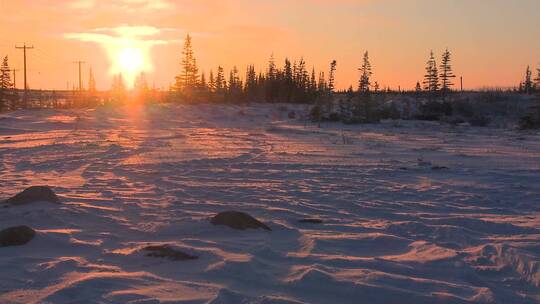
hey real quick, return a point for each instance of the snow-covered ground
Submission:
(398, 226)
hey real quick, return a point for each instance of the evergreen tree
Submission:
(363, 111)
(203, 85)
(288, 80)
(527, 84)
(431, 78)
(418, 88)
(5, 85)
(251, 83)
(141, 84)
(235, 85)
(376, 87)
(446, 73)
(188, 80)
(271, 85)
(5, 75)
(321, 86)
(221, 84)
(91, 82)
(313, 83)
(365, 75)
(537, 79)
(211, 83)
(332, 76)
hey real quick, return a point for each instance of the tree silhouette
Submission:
(332, 77)
(5, 85)
(363, 111)
(527, 84)
(91, 82)
(211, 83)
(537, 79)
(446, 73)
(188, 80)
(431, 78)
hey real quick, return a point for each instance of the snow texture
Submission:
(411, 212)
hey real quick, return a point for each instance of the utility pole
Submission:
(25, 95)
(461, 81)
(24, 48)
(80, 74)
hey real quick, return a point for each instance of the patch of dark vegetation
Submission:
(166, 252)
(32, 195)
(16, 236)
(238, 220)
(531, 121)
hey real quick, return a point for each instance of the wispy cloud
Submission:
(128, 5)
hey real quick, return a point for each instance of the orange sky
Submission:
(492, 40)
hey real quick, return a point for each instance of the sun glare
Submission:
(130, 60)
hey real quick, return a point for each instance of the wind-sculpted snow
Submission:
(409, 212)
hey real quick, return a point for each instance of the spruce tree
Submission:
(321, 86)
(221, 84)
(91, 82)
(332, 77)
(141, 84)
(188, 80)
(203, 85)
(5, 84)
(211, 83)
(250, 88)
(365, 75)
(431, 78)
(5, 75)
(446, 73)
(527, 84)
(363, 111)
(418, 88)
(537, 79)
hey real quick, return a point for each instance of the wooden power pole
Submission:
(24, 48)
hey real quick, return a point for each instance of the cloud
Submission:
(143, 34)
(126, 5)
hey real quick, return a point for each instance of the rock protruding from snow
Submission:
(16, 236)
(164, 251)
(310, 221)
(238, 220)
(32, 195)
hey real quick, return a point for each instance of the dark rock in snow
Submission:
(16, 236)
(32, 195)
(310, 221)
(238, 220)
(164, 251)
(439, 168)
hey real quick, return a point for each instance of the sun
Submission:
(130, 60)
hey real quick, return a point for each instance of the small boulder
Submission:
(16, 236)
(437, 168)
(32, 195)
(237, 220)
(164, 251)
(310, 221)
